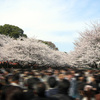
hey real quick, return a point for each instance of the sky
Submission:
(58, 21)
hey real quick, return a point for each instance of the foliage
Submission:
(50, 44)
(26, 50)
(12, 31)
(87, 48)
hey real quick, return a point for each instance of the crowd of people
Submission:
(49, 84)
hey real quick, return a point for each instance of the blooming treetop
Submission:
(87, 48)
(30, 50)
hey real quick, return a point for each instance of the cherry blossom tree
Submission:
(3, 41)
(29, 50)
(87, 48)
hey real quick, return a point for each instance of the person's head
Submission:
(92, 79)
(63, 86)
(81, 78)
(88, 91)
(26, 73)
(37, 75)
(31, 82)
(15, 78)
(9, 79)
(12, 93)
(52, 82)
(61, 76)
(39, 89)
(69, 75)
(56, 72)
(6, 73)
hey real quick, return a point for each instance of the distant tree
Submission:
(87, 48)
(50, 44)
(12, 31)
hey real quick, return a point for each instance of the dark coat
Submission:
(29, 94)
(63, 97)
(51, 92)
(45, 98)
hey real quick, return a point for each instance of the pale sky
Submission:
(58, 21)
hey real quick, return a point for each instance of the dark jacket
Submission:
(51, 92)
(45, 98)
(63, 97)
(29, 94)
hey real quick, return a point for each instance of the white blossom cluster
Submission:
(87, 48)
(29, 50)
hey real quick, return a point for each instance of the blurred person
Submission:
(56, 73)
(81, 83)
(1, 85)
(63, 90)
(12, 93)
(94, 84)
(14, 81)
(61, 77)
(29, 94)
(39, 91)
(88, 93)
(73, 90)
(52, 82)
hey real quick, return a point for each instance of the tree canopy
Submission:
(12, 31)
(87, 48)
(27, 50)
